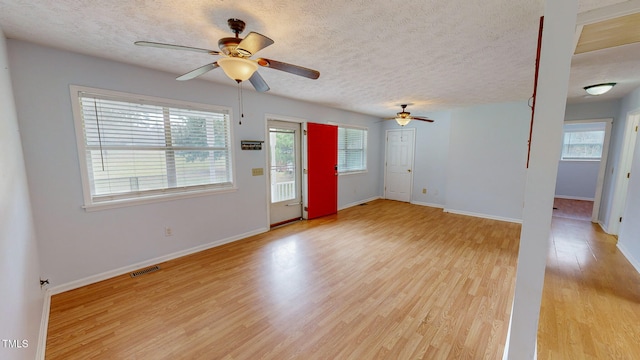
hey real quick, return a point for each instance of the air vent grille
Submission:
(145, 271)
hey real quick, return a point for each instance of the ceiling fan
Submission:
(236, 59)
(404, 117)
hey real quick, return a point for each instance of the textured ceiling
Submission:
(372, 55)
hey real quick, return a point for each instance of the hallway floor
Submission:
(591, 297)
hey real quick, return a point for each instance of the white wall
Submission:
(629, 234)
(77, 245)
(21, 300)
(577, 179)
(487, 160)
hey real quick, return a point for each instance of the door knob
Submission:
(408, 170)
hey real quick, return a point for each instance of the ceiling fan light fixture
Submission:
(237, 68)
(599, 89)
(402, 121)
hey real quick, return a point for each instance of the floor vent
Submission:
(363, 204)
(145, 271)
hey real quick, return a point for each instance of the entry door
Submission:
(399, 164)
(284, 172)
(322, 158)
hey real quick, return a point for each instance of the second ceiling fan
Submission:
(236, 59)
(404, 117)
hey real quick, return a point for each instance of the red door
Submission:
(322, 157)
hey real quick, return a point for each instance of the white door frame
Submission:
(386, 143)
(624, 166)
(303, 159)
(603, 162)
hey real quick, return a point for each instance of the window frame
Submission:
(565, 132)
(364, 150)
(154, 196)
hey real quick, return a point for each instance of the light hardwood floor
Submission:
(387, 280)
(591, 297)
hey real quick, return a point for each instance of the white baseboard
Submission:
(127, 269)
(634, 262)
(433, 205)
(484, 216)
(346, 206)
(44, 326)
(574, 197)
(604, 227)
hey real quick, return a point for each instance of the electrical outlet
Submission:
(168, 231)
(424, 191)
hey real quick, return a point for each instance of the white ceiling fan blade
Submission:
(197, 72)
(175, 47)
(258, 82)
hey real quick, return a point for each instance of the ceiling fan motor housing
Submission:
(228, 45)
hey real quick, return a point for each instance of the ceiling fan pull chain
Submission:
(240, 103)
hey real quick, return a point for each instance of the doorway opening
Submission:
(582, 168)
(285, 172)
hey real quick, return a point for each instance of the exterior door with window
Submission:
(399, 164)
(284, 172)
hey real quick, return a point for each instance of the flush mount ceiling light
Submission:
(599, 89)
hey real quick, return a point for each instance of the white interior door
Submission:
(284, 172)
(399, 164)
(624, 173)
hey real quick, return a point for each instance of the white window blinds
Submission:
(352, 149)
(136, 149)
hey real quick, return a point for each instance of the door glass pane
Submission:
(283, 164)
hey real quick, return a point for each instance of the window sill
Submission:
(580, 160)
(114, 204)
(352, 172)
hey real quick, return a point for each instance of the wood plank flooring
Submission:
(591, 297)
(572, 209)
(387, 280)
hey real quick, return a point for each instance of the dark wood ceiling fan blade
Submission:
(421, 118)
(258, 82)
(252, 43)
(175, 47)
(293, 69)
(197, 72)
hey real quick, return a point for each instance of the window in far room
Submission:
(583, 141)
(352, 149)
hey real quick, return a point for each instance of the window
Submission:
(140, 148)
(352, 149)
(583, 141)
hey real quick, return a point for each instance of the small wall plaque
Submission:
(251, 144)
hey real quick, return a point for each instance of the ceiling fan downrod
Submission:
(236, 25)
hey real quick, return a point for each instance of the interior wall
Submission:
(78, 244)
(21, 300)
(577, 179)
(487, 160)
(628, 238)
